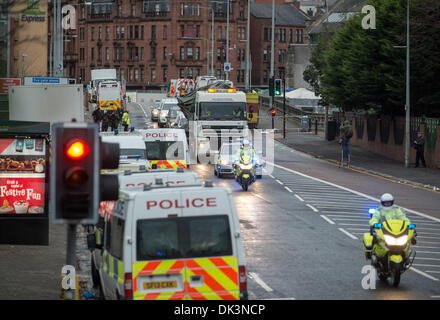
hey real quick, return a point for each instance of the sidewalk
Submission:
(362, 160)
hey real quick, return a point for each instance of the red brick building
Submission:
(150, 42)
(290, 29)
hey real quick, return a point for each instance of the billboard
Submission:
(6, 82)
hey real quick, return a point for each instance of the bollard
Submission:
(316, 126)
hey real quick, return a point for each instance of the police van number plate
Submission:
(160, 285)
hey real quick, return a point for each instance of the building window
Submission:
(190, 73)
(265, 55)
(153, 32)
(153, 75)
(182, 73)
(131, 32)
(107, 33)
(299, 35)
(117, 32)
(219, 74)
(120, 11)
(99, 33)
(219, 52)
(189, 52)
(93, 34)
(142, 32)
(290, 35)
(107, 54)
(99, 53)
(165, 75)
(92, 54)
(198, 9)
(136, 32)
(81, 33)
(136, 74)
(265, 76)
(219, 33)
(153, 53)
(197, 73)
(122, 74)
(266, 34)
(164, 53)
(122, 32)
(81, 54)
(182, 30)
(133, 10)
(182, 9)
(190, 8)
(142, 75)
(197, 31)
(182, 53)
(190, 29)
(165, 31)
(197, 53)
(142, 54)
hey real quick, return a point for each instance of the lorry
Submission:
(49, 103)
(218, 114)
(98, 75)
(109, 95)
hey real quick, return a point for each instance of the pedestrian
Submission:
(419, 145)
(105, 122)
(346, 132)
(96, 114)
(114, 120)
(125, 120)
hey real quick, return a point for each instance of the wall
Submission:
(392, 150)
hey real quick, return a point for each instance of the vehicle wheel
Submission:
(95, 275)
(396, 278)
(245, 185)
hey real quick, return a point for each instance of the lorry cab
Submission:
(219, 113)
(166, 148)
(133, 153)
(169, 243)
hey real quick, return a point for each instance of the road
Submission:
(303, 224)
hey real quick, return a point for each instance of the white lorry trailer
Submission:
(51, 103)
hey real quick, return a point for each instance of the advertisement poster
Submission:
(22, 176)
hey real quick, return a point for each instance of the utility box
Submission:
(305, 124)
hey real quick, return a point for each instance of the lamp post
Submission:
(407, 106)
(227, 39)
(248, 46)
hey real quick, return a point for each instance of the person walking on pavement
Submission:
(346, 132)
(97, 115)
(114, 120)
(126, 120)
(105, 121)
(419, 144)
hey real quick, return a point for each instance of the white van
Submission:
(133, 153)
(136, 181)
(166, 148)
(174, 242)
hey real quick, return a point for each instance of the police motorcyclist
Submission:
(245, 150)
(386, 211)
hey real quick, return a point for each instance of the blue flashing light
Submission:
(378, 225)
(372, 211)
(412, 226)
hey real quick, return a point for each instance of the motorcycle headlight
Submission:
(224, 161)
(246, 166)
(392, 241)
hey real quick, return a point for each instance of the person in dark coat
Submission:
(114, 120)
(419, 144)
(105, 121)
(97, 115)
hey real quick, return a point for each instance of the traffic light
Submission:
(76, 186)
(274, 112)
(278, 87)
(271, 87)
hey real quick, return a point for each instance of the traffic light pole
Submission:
(71, 256)
(284, 107)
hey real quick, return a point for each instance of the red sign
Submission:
(6, 82)
(22, 194)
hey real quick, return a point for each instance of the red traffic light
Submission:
(77, 150)
(274, 112)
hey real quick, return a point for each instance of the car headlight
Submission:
(392, 241)
(154, 111)
(224, 162)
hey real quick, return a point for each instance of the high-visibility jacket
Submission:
(388, 213)
(244, 153)
(126, 118)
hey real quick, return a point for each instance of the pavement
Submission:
(361, 160)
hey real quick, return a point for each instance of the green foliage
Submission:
(360, 69)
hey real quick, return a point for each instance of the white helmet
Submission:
(387, 197)
(245, 143)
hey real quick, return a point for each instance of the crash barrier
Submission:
(386, 135)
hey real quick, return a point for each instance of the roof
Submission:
(301, 93)
(285, 14)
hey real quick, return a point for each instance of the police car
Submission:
(174, 242)
(135, 181)
(166, 148)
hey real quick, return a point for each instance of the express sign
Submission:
(187, 203)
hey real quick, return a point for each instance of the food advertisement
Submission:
(22, 176)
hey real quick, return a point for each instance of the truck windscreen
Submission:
(222, 111)
(109, 94)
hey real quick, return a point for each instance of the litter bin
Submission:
(305, 123)
(331, 130)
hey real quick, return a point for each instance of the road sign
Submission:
(227, 67)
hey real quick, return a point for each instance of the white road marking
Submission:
(272, 176)
(258, 280)
(432, 271)
(258, 196)
(426, 265)
(299, 198)
(288, 189)
(142, 108)
(279, 182)
(435, 297)
(429, 252)
(348, 234)
(280, 299)
(420, 258)
(352, 191)
(327, 219)
(423, 274)
(312, 207)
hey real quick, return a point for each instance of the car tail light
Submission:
(242, 278)
(128, 286)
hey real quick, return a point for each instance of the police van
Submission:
(134, 181)
(166, 148)
(174, 242)
(133, 152)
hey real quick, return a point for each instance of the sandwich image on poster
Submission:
(22, 176)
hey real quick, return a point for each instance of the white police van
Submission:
(174, 242)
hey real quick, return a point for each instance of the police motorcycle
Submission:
(244, 170)
(388, 245)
